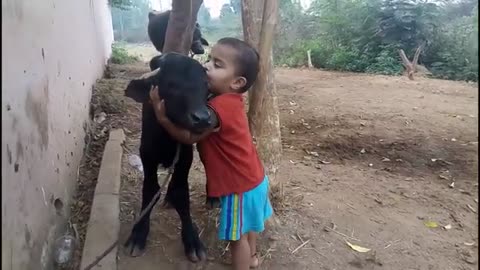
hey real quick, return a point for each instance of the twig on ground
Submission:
(391, 243)
(318, 252)
(471, 208)
(226, 249)
(342, 234)
(300, 238)
(299, 247)
(351, 206)
(269, 250)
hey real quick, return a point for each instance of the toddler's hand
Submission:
(154, 96)
(158, 104)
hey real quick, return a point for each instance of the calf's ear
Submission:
(138, 89)
(153, 13)
(150, 15)
(204, 41)
(156, 63)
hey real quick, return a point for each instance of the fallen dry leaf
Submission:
(431, 224)
(358, 248)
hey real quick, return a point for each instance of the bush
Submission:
(387, 62)
(455, 70)
(376, 59)
(321, 54)
(453, 62)
(348, 59)
(120, 55)
(294, 56)
(324, 56)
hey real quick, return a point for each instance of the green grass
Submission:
(121, 56)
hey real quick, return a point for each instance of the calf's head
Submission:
(157, 29)
(182, 83)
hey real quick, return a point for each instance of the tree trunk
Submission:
(122, 30)
(309, 59)
(411, 67)
(183, 16)
(259, 19)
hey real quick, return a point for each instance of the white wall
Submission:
(52, 53)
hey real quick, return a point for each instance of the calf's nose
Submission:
(201, 118)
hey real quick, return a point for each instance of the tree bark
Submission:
(183, 16)
(259, 19)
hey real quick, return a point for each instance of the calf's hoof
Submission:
(136, 243)
(167, 205)
(194, 248)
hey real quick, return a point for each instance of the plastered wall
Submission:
(52, 53)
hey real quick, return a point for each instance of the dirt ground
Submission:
(371, 160)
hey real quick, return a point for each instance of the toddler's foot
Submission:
(254, 262)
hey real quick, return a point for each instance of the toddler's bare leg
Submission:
(241, 253)
(252, 242)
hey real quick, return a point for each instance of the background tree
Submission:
(121, 4)
(236, 6)
(129, 20)
(204, 16)
(259, 20)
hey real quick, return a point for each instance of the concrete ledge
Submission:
(104, 223)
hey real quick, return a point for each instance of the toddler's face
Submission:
(221, 69)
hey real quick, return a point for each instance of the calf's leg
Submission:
(178, 196)
(138, 238)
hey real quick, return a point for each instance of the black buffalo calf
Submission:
(157, 28)
(182, 82)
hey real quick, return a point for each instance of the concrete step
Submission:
(104, 223)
